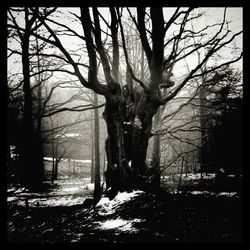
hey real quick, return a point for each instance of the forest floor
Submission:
(195, 214)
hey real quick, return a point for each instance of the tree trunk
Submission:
(56, 169)
(117, 174)
(129, 109)
(39, 118)
(53, 170)
(129, 131)
(203, 123)
(156, 155)
(69, 166)
(180, 178)
(31, 153)
(74, 167)
(92, 178)
(97, 187)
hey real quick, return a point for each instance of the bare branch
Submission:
(74, 109)
(126, 56)
(142, 31)
(99, 88)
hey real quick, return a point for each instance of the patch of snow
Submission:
(12, 151)
(47, 158)
(11, 190)
(165, 177)
(209, 176)
(78, 237)
(176, 192)
(11, 199)
(198, 176)
(118, 224)
(221, 170)
(68, 135)
(19, 190)
(65, 193)
(52, 201)
(70, 189)
(64, 159)
(89, 186)
(137, 123)
(227, 194)
(107, 207)
(103, 202)
(81, 161)
(200, 192)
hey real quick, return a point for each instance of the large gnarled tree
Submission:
(130, 108)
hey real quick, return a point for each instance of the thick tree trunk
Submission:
(129, 131)
(129, 109)
(118, 174)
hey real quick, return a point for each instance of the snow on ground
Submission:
(107, 207)
(76, 160)
(228, 194)
(198, 176)
(48, 202)
(189, 177)
(118, 224)
(223, 194)
(66, 193)
(58, 201)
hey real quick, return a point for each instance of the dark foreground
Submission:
(164, 218)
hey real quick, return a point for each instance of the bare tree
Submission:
(127, 168)
(31, 151)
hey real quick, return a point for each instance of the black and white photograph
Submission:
(124, 124)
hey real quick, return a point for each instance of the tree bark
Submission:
(69, 166)
(31, 153)
(203, 124)
(92, 173)
(129, 129)
(156, 154)
(97, 186)
(56, 169)
(180, 178)
(117, 167)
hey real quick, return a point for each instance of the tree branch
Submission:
(142, 31)
(74, 109)
(126, 56)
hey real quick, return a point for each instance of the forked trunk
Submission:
(118, 174)
(129, 127)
